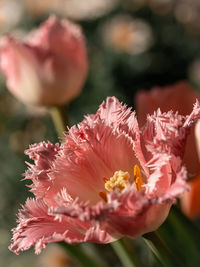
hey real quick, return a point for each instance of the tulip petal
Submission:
(37, 228)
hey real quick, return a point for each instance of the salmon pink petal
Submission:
(130, 213)
(120, 117)
(102, 235)
(148, 220)
(89, 150)
(176, 190)
(92, 159)
(136, 214)
(43, 155)
(37, 228)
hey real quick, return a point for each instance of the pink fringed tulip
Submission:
(178, 97)
(50, 67)
(108, 179)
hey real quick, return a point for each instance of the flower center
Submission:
(120, 180)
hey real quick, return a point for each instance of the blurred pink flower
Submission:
(108, 179)
(50, 67)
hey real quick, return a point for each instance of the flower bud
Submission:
(49, 67)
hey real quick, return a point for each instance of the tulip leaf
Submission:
(81, 256)
(182, 236)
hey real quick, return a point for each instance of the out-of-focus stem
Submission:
(126, 256)
(161, 250)
(60, 120)
(81, 256)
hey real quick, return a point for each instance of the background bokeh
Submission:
(132, 45)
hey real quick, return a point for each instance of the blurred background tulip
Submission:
(49, 67)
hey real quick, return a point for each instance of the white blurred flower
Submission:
(41, 7)
(74, 9)
(126, 34)
(11, 12)
(87, 9)
(188, 13)
(194, 71)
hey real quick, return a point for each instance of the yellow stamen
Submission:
(103, 195)
(138, 178)
(118, 181)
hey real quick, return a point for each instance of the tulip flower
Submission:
(49, 67)
(179, 97)
(108, 179)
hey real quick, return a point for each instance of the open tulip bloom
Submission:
(108, 178)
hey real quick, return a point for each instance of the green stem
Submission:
(161, 250)
(126, 256)
(78, 253)
(60, 120)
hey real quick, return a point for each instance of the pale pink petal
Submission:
(15, 59)
(100, 235)
(44, 155)
(100, 153)
(119, 116)
(37, 228)
(177, 188)
(124, 214)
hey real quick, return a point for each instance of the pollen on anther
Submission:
(119, 181)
